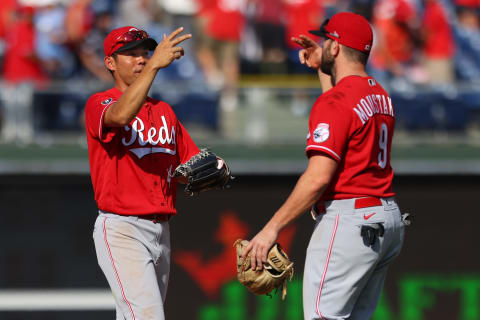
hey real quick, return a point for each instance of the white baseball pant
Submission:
(344, 275)
(134, 255)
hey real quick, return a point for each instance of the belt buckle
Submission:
(158, 218)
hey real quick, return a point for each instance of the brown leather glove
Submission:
(275, 272)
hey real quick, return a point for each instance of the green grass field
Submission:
(245, 152)
(247, 159)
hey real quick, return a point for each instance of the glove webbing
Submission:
(289, 269)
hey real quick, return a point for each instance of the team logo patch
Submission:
(321, 133)
(105, 102)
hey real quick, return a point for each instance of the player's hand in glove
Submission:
(274, 274)
(204, 171)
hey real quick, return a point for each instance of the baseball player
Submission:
(348, 181)
(134, 145)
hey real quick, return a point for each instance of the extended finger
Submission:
(296, 40)
(180, 39)
(162, 44)
(300, 42)
(308, 40)
(174, 33)
(177, 49)
(259, 259)
(264, 254)
(246, 250)
(253, 260)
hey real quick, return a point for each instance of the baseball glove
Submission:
(204, 171)
(275, 272)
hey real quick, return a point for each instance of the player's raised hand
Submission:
(311, 54)
(167, 50)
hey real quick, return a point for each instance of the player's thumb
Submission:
(301, 56)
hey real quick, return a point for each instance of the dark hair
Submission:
(355, 55)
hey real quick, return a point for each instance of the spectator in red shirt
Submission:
(270, 30)
(439, 46)
(397, 28)
(301, 15)
(7, 9)
(21, 63)
(473, 4)
(21, 70)
(78, 21)
(222, 24)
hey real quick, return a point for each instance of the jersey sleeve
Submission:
(95, 110)
(186, 146)
(328, 128)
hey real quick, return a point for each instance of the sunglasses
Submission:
(324, 31)
(133, 35)
(322, 27)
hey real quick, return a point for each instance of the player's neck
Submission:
(120, 86)
(343, 70)
(119, 83)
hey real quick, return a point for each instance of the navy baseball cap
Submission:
(349, 29)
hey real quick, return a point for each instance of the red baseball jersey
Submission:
(353, 124)
(131, 166)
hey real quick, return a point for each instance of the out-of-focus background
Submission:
(241, 91)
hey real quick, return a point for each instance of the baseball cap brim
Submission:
(150, 44)
(317, 33)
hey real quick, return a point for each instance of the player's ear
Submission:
(335, 48)
(110, 63)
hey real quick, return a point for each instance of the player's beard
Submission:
(326, 66)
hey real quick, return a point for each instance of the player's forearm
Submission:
(325, 81)
(307, 191)
(132, 99)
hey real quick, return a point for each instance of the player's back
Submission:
(361, 117)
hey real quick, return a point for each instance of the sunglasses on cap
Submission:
(322, 32)
(130, 40)
(322, 27)
(132, 35)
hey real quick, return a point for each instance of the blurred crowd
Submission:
(422, 42)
